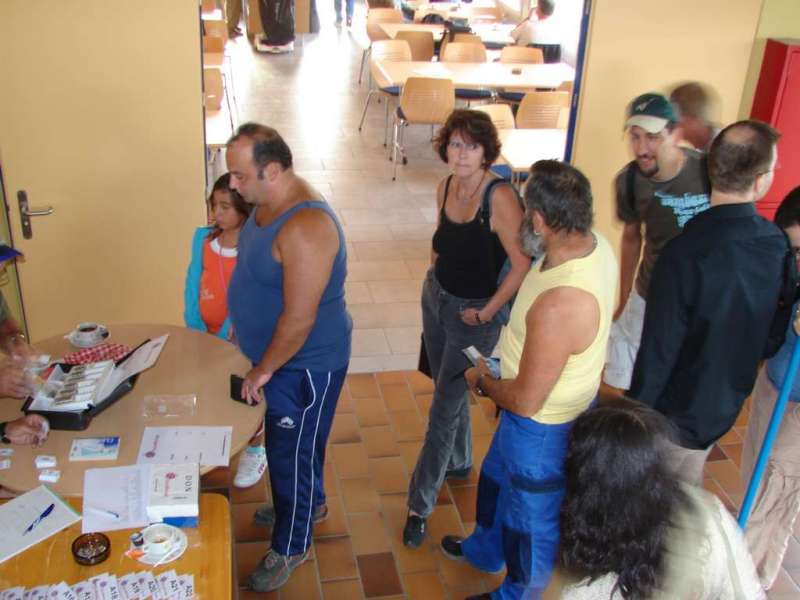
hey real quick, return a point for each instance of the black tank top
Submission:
(469, 255)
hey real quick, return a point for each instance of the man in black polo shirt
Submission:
(712, 297)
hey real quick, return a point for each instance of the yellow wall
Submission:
(779, 19)
(101, 117)
(635, 47)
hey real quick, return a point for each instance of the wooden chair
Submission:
(542, 110)
(385, 50)
(467, 52)
(424, 101)
(375, 16)
(213, 45)
(420, 42)
(500, 114)
(215, 28)
(469, 38)
(213, 88)
(213, 52)
(516, 55)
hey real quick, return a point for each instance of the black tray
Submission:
(78, 420)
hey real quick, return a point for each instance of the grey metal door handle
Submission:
(39, 213)
(25, 214)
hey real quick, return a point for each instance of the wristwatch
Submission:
(3, 437)
(478, 387)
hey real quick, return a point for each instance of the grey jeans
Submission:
(448, 441)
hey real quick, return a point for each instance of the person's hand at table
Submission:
(28, 430)
(18, 348)
(14, 382)
(253, 383)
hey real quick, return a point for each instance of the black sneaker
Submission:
(458, 473)
(451, 547)
(414, 532)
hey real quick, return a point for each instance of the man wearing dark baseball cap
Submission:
(657, 193)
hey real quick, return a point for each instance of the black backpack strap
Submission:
(705, 180)
(486, 199)
(630, 185)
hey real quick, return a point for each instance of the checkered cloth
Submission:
(97, 353)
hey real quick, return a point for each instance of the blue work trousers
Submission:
(520, 491)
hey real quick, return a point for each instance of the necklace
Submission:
(475, 191)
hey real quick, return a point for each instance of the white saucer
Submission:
(175, 552)
(72, 338)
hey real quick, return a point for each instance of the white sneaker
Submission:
(260, 43)
(251, 467)
(281, 49)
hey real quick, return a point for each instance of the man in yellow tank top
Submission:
(552, 355)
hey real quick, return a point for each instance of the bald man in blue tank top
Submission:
(286, 301)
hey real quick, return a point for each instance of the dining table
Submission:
(485, 75)
(191, 364)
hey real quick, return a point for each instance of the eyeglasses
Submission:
(457, 146)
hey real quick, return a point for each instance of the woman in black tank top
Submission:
(478, 230)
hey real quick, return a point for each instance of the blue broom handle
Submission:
(771, 434)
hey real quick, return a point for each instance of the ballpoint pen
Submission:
(44, 514)
(102, 512)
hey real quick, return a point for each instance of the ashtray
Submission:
(91, 548)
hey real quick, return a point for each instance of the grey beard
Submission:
(532, 244)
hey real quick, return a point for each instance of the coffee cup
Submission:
(159, 539)
(89, 333)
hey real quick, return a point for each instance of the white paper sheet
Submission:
(17, 515)
(207, 446)
(118, 490)
(142, 359)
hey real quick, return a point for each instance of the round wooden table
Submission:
(190, 363)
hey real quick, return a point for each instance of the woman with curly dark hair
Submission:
(461, 297)
(629, 530)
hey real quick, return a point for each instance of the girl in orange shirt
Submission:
(213, 261)
(206, 307)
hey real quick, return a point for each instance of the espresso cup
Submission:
(159, 539)
(87, 333)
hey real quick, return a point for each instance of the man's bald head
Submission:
(741, 153)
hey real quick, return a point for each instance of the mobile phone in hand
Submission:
(236, 389)
(475, 357)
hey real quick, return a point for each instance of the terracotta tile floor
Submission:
(313, 98)
(357, 551)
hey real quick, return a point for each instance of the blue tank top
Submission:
(777, 365)
(255, 298)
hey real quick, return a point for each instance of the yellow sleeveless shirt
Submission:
(597, 274)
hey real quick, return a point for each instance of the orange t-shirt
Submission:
(218, 265)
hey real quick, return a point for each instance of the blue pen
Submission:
(44, 514)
